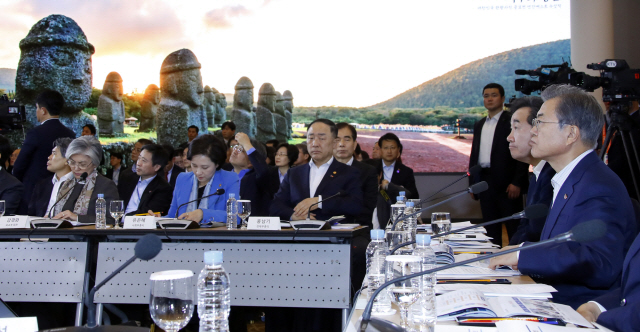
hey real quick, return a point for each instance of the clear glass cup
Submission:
(407, 292)
(440, 223)
(244, 211)
(116, 208)
(2, 207)
(172, 299)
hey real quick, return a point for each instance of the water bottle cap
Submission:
(410, 204)
(213, 257)
(100, 195)
(423, 239)
(232, 195)
(399, 198)
(377, 234)
(402, 193)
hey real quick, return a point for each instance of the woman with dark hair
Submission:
(207, 154)
(286, 155)
(89, 130)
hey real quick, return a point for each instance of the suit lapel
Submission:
(633, 251)
(305, 179)
(331, 172)
(215, 185)
(476, 146)
(148, 191)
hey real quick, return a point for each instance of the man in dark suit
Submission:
(11, 190)
(45, 194)
(524, 110)
(507, 177)
(564, 134)
(150, 191)
(344, 153)
(391, 169)
(114, 172)
(129, 173)
(172, 170)
(31, 165)
(254, 182)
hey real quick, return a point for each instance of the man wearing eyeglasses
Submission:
(244, 155)
(507, 177)
(565, 133)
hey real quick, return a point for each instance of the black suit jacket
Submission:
(156, 196)
(504, 169)
(109, 174)
(257, 185)
(295, 188)
(11, 191)
(540, 192)
(31, 165)
(369, 185)
(175, 171)
(103, 186)
(40, 197)
(402, 176)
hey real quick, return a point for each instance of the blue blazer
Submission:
(295, 188)
(583, 271)
(619, 317)
(540, 192)
(217, 210)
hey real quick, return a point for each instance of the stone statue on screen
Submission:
(111, 107)
(221, 110)
(288, 110)
(210, 104)
(182, 94)
(282, 128)
(149, 108)
(242, 115)
(265, 113)
(55, 55)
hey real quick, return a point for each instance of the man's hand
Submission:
(152, 214)
(303, 207)
(589, 311)
(302, 216)
(513, 191)
(244, 140)
(195, 215)
(505, 260)
(67, 215)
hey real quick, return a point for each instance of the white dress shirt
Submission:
(538, 169)
(56, 187)
(169, 174)
(137, 194)
(388, 170)
(350, 162)
(281, 176)
(558, 180)
(315, 177)
(486, 140)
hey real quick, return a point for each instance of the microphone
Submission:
(146, 248)
(338, 194)
(530, 212)
(473, 172)
(474, 189)
(82, 180)
(583, 232)
(218, 192)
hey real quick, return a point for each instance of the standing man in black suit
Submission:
(10, 188)
(31, 165)
(391, 169)
(114, 172)
(507, 177)
(344, 153)
(45, 194)
(151, 191)
(171, 171)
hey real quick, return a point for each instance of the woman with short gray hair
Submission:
(77, 196)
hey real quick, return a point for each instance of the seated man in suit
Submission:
(584, 188)
(172, 170)
(619, 309)
(11, 189)
(306, 185)
(129, 173)
(46, 192)
(344, 153)
(151, 191)
(115, 161)
(540, 191)
(248, 160)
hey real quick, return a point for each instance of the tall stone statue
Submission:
(182, 94)
(242, 115)
(282, 128)
(149, 109)
(264, 113)
(111, 107)
(288, 110)
(210, 104)
(221, 109)
(55, 55)
(223, 104)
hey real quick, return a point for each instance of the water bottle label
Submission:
(264, 223)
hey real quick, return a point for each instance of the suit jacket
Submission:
(583, 271)
(540, 192)
(295, 188)
(504, 169)
(402, 176)
(623, 316)
(103, 186)
(109, 174)
(31, 165)
(259, 185)
(11, 191)
(175, 171)
(156, 196)
(369, 185)
(217, 204)
(40, 197)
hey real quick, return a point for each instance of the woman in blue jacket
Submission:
(207, 154)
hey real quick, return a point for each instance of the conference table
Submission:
(286, 268)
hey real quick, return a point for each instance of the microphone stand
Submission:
(339, 193)
(217, 192)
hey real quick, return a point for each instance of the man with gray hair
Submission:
(565, 133)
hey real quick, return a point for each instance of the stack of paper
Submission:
(532, 291)
(471, 272)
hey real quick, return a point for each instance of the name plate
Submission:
(139, 222)
(15, 222)
(264, 223)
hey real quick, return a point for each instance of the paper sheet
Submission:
(470, 272)
(516, 326)
(518, 290)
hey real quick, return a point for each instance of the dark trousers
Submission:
(495, 204)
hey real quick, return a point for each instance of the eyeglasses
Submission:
(82, 165)
(282, 154)
(537, 122)
(237, 147)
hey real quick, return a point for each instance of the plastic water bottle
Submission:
(376, 254)
(377, 246)
(101, 212)
(213, 294)
(402, 199)
(423, 312)
(232, 212)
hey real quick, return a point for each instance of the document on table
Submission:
(518, 325)
(539, 291)
(472, 272)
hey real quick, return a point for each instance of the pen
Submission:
(474, 252)
(528, 319)
(144, 214)
(474, 281)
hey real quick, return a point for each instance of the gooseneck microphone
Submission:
(82, 179)
(338, 194)
(583, 232)
(473, 171)
(146, 248)
(218, 192)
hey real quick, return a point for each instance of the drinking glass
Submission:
(397, 237)
(116, 208)
(440, 223)
(407, 292)
(244, 210)
(171, 300)
(1, 208)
